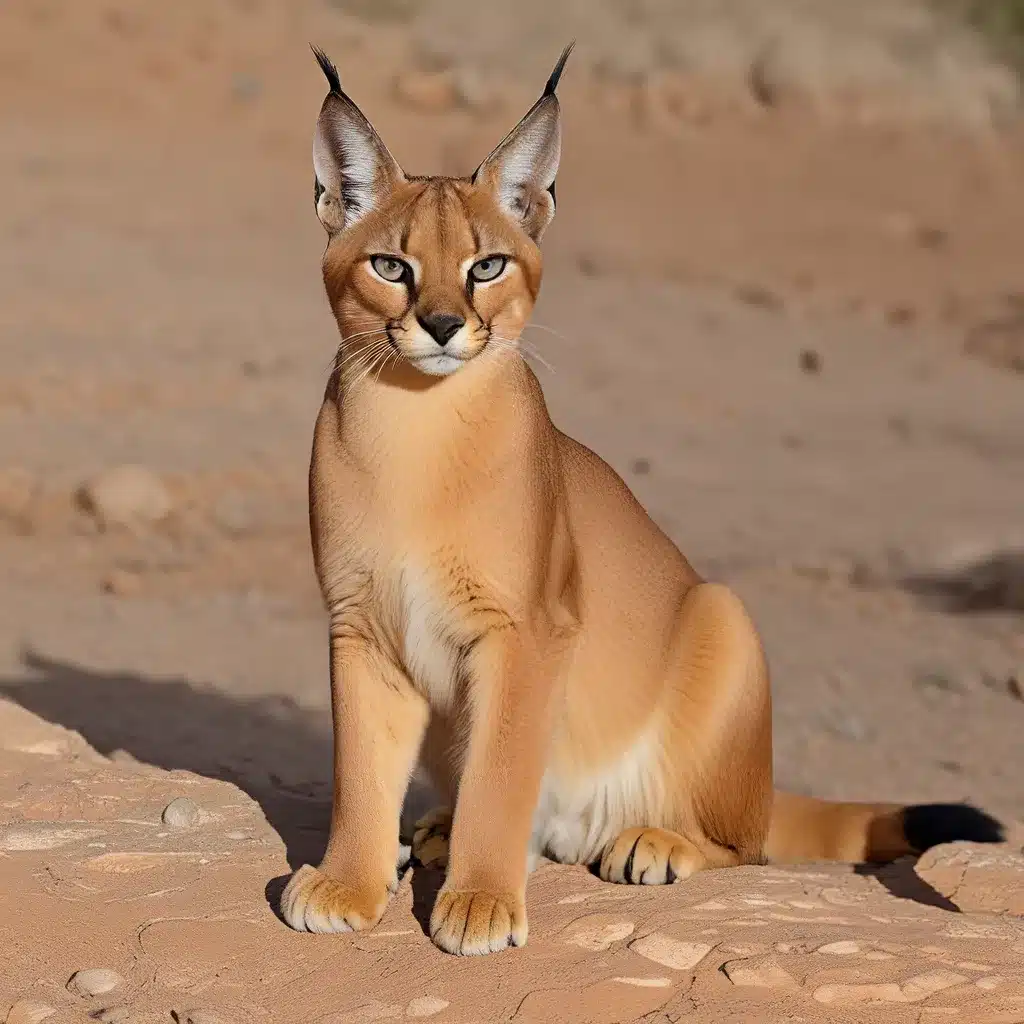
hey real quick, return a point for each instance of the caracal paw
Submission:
(430, 838)
(471, 922)
(649, 856)
(314, 902)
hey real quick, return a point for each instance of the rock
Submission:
(181, 813)
(999, 340)
(125, 496)
(669, 952)
(29, 1011)
(43, 836)
(114, 1015)
(924, 985)
(900, 316)
(938, 679)
(18, 490)
(846, 948)
(847, 995)
(758, 972)
(198, 1016)
(1015, 683)
(425, 1006)
(94, 981)
(598, 936)
(432, 92)
(761, 297)
(473, 92)
(121, 583)
(810, 361)
(235, 512)
(246, 87)
(928, 236)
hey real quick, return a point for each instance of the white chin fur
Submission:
(437, 366)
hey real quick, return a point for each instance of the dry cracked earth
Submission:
(155, 885)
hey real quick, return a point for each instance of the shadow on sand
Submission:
(270, 747)
(994, 583)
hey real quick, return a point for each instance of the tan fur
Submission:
(501, 607)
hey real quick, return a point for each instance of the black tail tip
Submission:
(555, 77)
(928, 825)
(329, 70)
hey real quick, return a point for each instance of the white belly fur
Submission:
(428, 651)
(575, 818)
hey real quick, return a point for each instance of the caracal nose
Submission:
(441, 326)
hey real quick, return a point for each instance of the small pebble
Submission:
(199, 1016)
(669, 952)
(763, 298)
(114, 1015)
(121, 583)
(599, 937)
(127, 496)
(94, 981)
(29, 1011)
(425, 1006)
(18, 490)
(900, 316)
(938, 679)
(810, 361)
(246, 87)
(1015, 684)
(844, 948)
(760, 972)
(426, 91)
(930, 237)
(181, 813)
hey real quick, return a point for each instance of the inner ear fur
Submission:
(520, 171)
(354, 171)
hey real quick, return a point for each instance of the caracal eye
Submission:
(488, 269)
(390, 268)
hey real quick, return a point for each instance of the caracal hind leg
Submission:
(656, 856)
(430, 838)
(378, 724)
(717, 736)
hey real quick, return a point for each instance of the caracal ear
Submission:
(521, 170)
(354, 170)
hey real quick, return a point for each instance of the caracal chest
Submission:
(411, 598)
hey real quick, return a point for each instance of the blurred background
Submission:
(784, 299)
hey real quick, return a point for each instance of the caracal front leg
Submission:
(379, 722)
(482, 905)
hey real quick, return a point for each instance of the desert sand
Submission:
(783, 299)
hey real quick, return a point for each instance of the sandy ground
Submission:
(795, 336)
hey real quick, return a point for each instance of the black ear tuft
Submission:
(928, 825)
(549, 89)
(328, 69)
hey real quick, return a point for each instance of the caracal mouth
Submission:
(441, 365)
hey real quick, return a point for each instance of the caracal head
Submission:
(431, 271)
